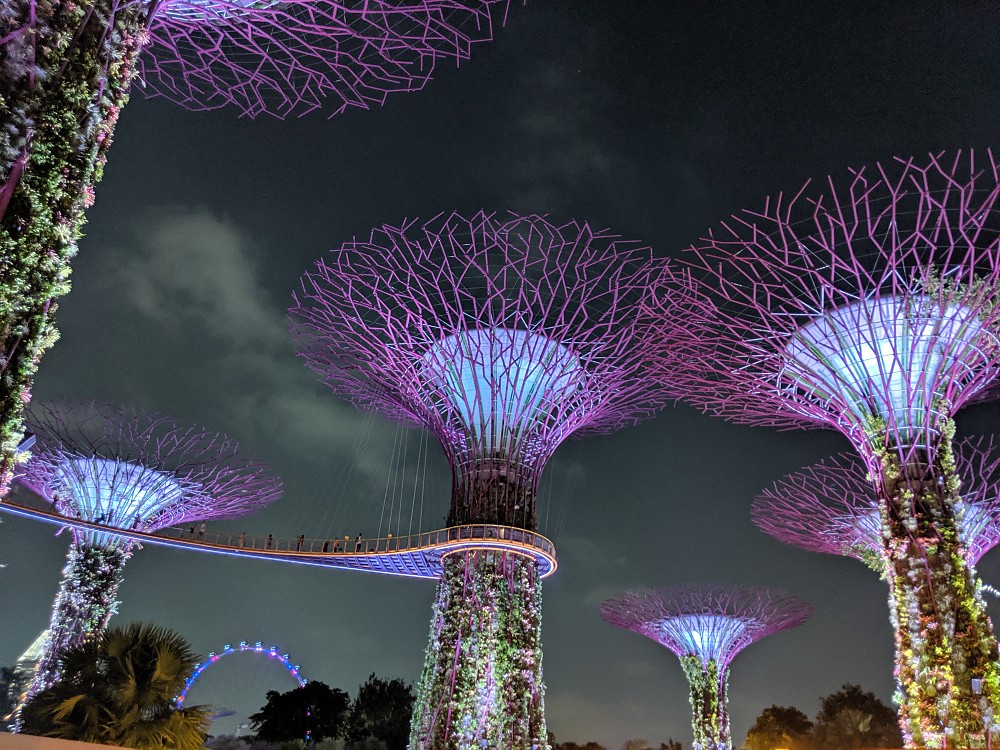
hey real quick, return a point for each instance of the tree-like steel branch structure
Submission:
(502, 336)
(832, 506)
(129, 470)
(870, 306)
(66, 69)
(706, 627)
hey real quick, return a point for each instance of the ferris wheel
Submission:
(271, 652)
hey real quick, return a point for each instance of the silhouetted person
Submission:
(270, 542)
(299, 542)
(357, 543)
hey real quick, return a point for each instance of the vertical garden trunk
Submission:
(482, 681)
(86, 600)
(931, 582)
(709, 703)
(66, 69)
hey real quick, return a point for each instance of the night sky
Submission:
(657, 119)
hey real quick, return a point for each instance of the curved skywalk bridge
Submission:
(413, 556)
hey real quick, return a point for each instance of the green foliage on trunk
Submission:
(482, 678)
(66, 79)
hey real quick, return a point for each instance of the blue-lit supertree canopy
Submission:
(125, 469)
(503, 336)
(706, 627)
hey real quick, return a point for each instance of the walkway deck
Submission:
(413, 556)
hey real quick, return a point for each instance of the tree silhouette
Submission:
(382, 711)
(312, 713)
(851, 718)
(780, 726)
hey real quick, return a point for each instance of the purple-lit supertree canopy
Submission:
(706, 627)
(832, 506)
(66, 68)
(125, 469)
(870, 305)
(502, 336)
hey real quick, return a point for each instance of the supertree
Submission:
(66, 67)
(832, 506)
(706, 627)
(869, 306)
(125, 469)
(502, 337)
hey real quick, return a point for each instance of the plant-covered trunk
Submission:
(87, 598)
(944, 638)
(66, 68)
(482, 681)
(709, 703)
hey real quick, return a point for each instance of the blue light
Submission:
(885, 357)
(115, 493)
(500, 382)
(708, 636)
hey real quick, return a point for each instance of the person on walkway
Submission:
(299, 542)
(201, 531)
(243, 539)
(270, 542)
(357, 543)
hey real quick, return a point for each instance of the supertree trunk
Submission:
(87, 598)
(66, 73)
(482, 681)
(709, 704)
(931, 582)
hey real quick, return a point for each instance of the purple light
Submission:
(706, 627)
(832, 506)
(712, 623)
(289, 57)
(503, 337)
(124, 469)
(870, 305)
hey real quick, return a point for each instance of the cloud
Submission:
(194, 275)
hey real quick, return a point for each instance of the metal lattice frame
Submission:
(820, 309)
(204, 475)
(285, 57)
(555, 313)
(502, 336)
(713, 623)
(870, 306)
(832, 506)
(124, 468)
(706, 627)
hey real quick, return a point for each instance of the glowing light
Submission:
(501, 382)
(243, 647)
(885, 357)
(212, 10)
(710, 637)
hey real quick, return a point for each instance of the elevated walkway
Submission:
(413, 556)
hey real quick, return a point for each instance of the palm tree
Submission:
(119, 689)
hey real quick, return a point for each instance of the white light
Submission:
(115, 493)
(500, 382)
(708, 636)
(884, 357)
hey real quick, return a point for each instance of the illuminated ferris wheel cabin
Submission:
(884, 357)
(500, 383)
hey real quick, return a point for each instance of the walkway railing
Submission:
(416, 555)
